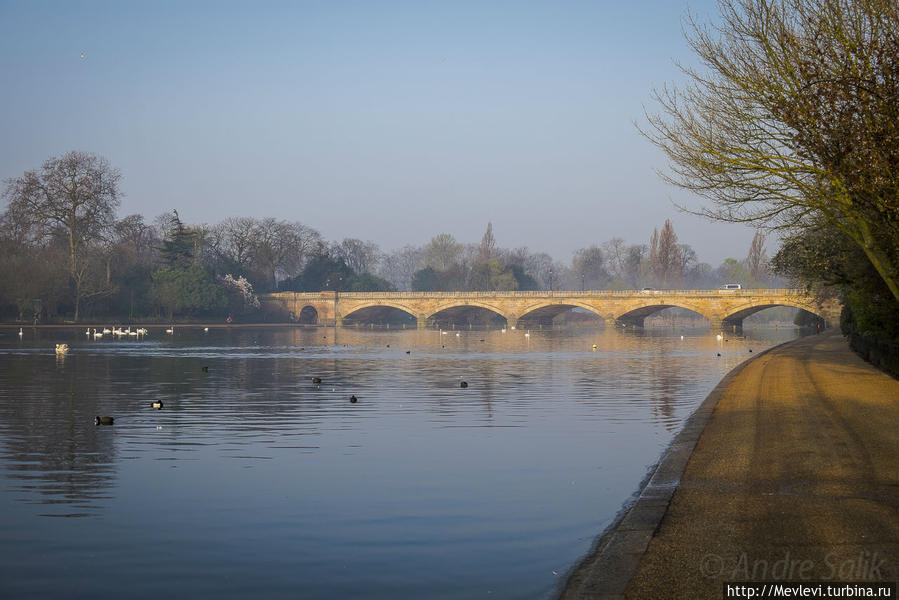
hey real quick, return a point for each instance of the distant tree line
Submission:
(66, 255)
(445, 264)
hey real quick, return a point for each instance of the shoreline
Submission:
(788, 471)
(221, 325)
(619, 548)
(215, 325)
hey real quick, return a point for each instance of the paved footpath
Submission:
(794, 477)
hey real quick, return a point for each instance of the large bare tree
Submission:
(76, 195)
(233, 241)
(589, 268)
(442, 252)
(756, 259)
(793, 117)
(361, 257)
(281, 247)
(399, 266)
(669, 257)
(488, 244)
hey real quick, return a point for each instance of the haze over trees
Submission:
(792, 123)
(73, 197)
(64, 254)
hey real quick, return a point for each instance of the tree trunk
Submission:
(879, 260)
(73, 269)
(77, 298)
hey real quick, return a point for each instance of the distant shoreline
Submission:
(219, 325)
(215, 325)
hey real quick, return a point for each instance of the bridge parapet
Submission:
(551, 294)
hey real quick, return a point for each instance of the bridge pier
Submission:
(511, 321)
(632, 322)
(732, 324)
(421, 322)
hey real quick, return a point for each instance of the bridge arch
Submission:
(381, 304)
(552, 308)
(737, 314)
(635, 314)
(458, 306)
(308, 315)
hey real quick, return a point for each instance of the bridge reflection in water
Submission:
(723, 308)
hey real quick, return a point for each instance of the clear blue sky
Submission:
(388, 121)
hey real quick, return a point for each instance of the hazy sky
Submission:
(387, 121)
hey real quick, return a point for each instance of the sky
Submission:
(380, 120)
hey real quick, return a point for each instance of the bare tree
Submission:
(136, 238)
(615, 257)
(280, 248)
(361, 257)
(535, 266)
(76, 194)
(233, 241)
(668, 258)
(686, 258)
(655, 267)
(33, 266)
(442, 252)
(399, 266)
(757, 260)
(625, 262)
(538, 265)
(487, 249)
(589, 268)
(794, 119)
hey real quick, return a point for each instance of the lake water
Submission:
(254, 482)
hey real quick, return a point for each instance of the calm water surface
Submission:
(253, 481)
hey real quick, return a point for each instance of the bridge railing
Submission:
(554, 293)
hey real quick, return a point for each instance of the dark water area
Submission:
(254, 481)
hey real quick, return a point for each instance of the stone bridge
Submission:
(721, 307)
